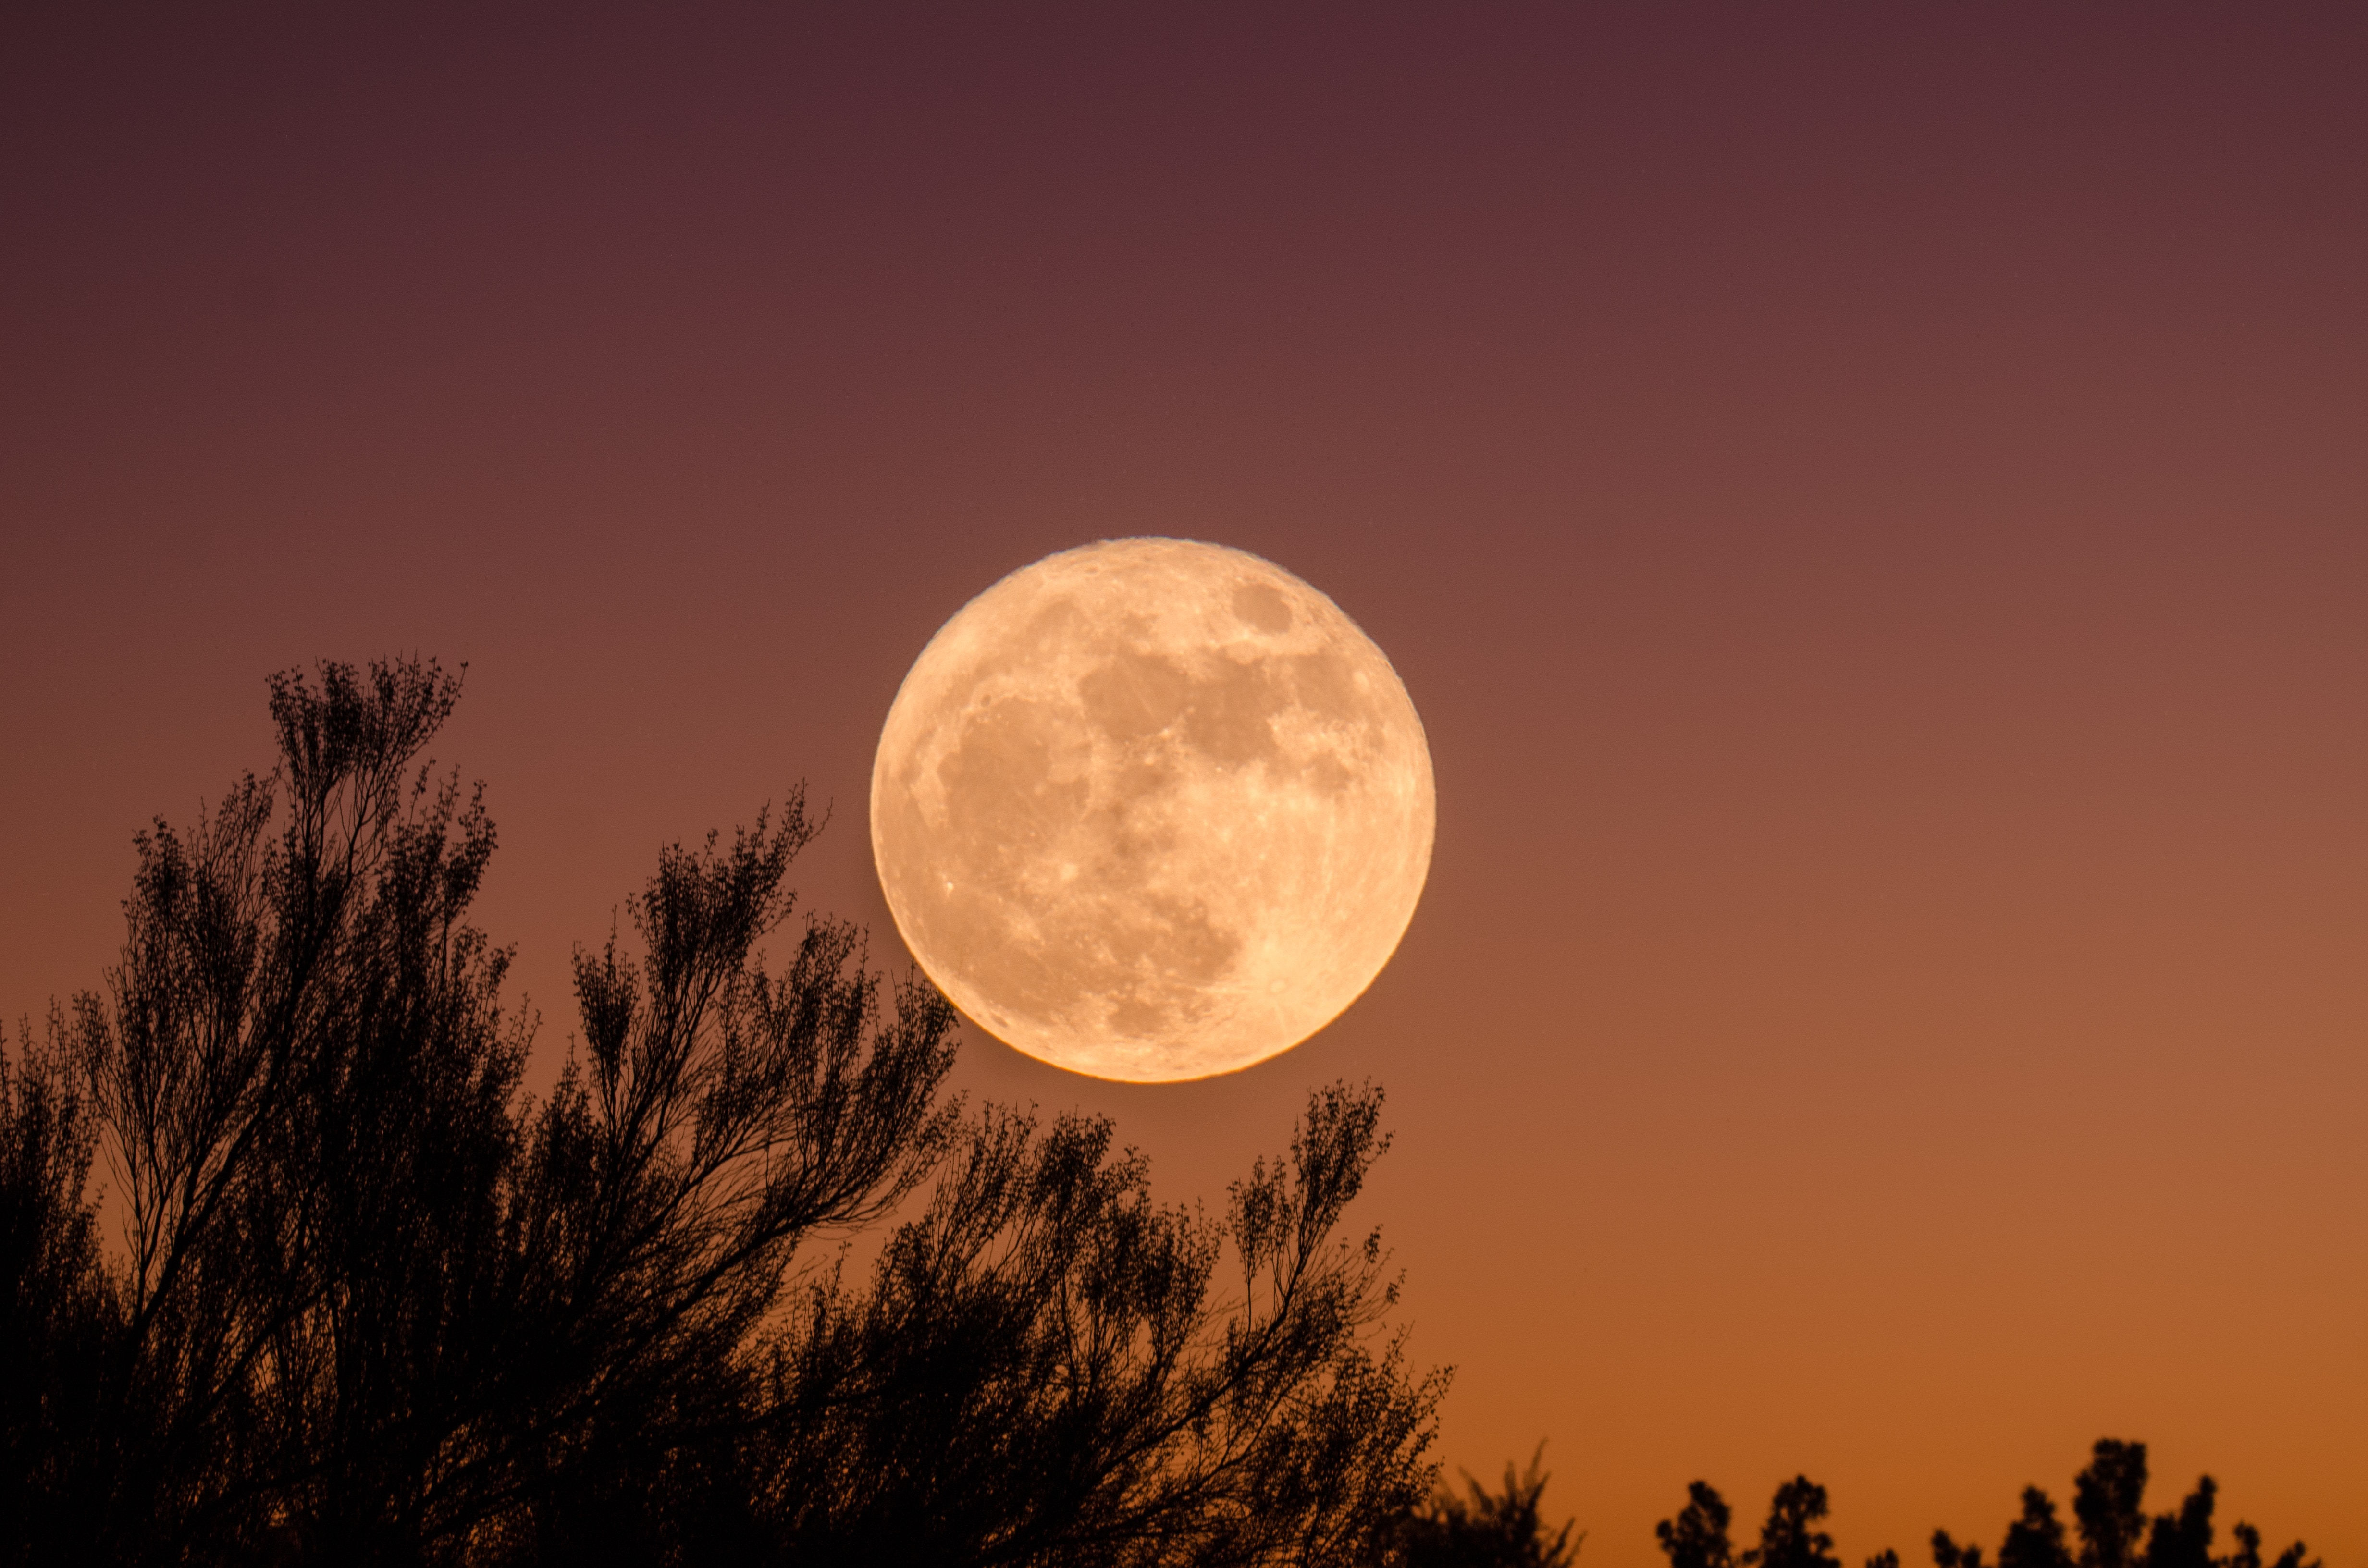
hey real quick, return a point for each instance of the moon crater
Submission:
(1152, 809)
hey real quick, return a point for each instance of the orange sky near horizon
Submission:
(1871, 504)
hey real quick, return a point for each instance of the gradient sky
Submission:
(1870, 502)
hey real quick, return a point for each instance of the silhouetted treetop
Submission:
(2108, 1499)
(1789, 1538)
(1478, 1528)
(2110, 1496)
(1947, 1554)
(1697, 1537)
(2184, 1540)
(2109, 1505)
(374, 1304)
(2036, 1538)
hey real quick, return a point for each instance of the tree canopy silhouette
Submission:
(1697, 1537)
(2109, 1511)
(2109, 1497)
(375, 1304)
(1790, 1539)
(2035, 1539)
(1477, 1528)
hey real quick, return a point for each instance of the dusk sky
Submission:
(1870, 502)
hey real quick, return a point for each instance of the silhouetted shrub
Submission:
(1478, 1528)
(375, 1306)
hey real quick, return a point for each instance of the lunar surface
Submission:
(1151, 810)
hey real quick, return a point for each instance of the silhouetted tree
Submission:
(55, 1310)
(1135, 1416)
(2110, 1504)
(1947, 1554)
(2107, 1500)
(1697, 1537)
(1790, 1538)
(2249, 1552)
(2184, 1540)
(375, 1306)
(1504, 1529)
(2036, 1539)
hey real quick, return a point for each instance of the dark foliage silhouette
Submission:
(2109, 1511)
(376, 1305)
(1043, 1298)
(1947, 1554)
(1477, 1528)
(2109, 1497)
(2184, 1540)
(1697, 1537)
(2036, 1539)
(1790, 1539)
(55, 1309)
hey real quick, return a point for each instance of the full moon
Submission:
(1151, 810)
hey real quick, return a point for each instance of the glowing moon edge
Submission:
(1151, 810)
